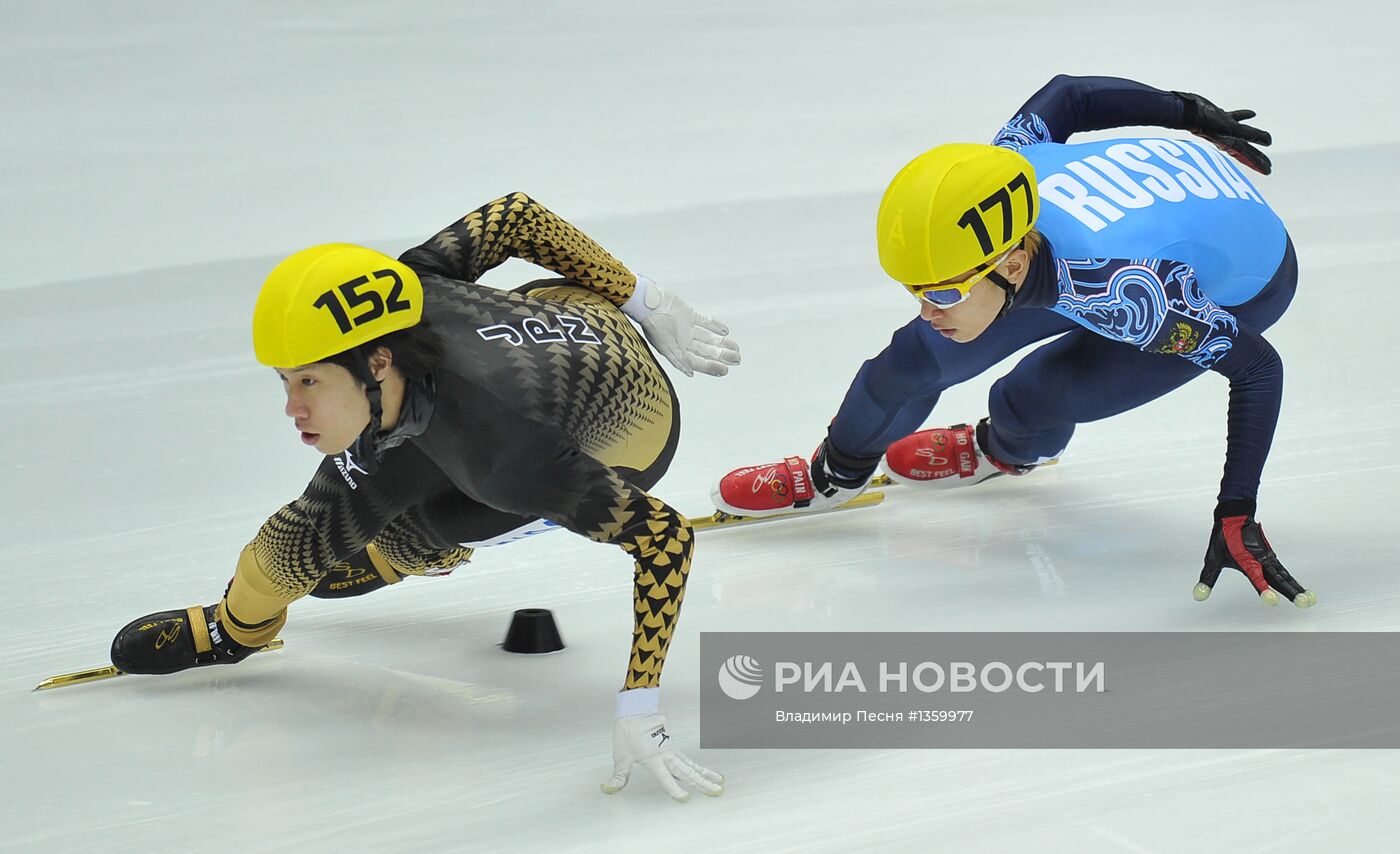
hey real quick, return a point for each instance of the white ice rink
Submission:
(159, 158)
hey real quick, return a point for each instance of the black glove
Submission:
(1238, 542)
(1226, 130)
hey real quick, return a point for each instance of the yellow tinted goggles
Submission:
(946, 295)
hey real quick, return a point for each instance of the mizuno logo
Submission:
(346, 466)
(351, 465)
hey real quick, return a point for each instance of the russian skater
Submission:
(1149, 261)
(453, 415)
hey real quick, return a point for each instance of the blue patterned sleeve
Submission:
(1158, 306)
(1068, 105)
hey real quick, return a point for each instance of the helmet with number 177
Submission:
(953, 209)
(329, 299)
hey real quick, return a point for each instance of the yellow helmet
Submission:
(329, 299)
(954, 208)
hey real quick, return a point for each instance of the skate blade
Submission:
(721, 519)
(97, 674)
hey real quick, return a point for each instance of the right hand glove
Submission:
(688, 339)
(1238, 542)
(1226, 130)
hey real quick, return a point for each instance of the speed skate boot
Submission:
(790, 486)
(949, 456)
(171, 641)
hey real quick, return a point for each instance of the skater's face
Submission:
(968, 319)
(327, 405)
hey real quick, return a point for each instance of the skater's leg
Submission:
(890, 397)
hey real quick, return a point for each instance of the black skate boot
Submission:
(172, 641)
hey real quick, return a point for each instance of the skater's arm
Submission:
(590, 499)
(890, 396)
(1160, 308)
(1069, 105)
(1255, 371)
(517, 226)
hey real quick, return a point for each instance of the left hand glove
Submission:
(1238, 542)
(641, 739)
(688, 339)
(1226, 130)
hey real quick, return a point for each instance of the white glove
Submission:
(688, 339)
(641, 739)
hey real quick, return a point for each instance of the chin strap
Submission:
(1001, 281)
(1007, 288)
(415, 411)
(365, 449)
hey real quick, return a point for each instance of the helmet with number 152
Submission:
(329, 299)
(953, 209)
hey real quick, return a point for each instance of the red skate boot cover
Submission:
(943, 456)
(766, 490)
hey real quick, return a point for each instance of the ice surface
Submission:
(160, 157)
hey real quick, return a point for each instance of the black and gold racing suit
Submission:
(548, 405)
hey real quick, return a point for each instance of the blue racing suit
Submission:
(1160, 261)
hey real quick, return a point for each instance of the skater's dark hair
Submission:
(417, 351)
